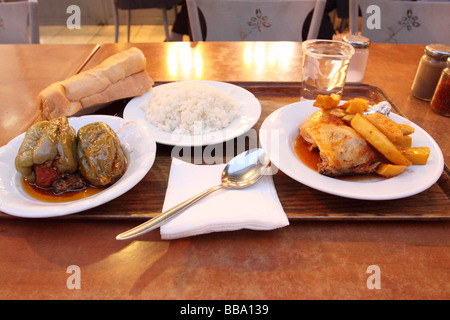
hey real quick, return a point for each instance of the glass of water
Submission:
(325, 65)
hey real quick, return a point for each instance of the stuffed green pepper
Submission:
(101, 158)
(47, 152)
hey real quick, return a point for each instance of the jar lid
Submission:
(357, 41)
(438, 51)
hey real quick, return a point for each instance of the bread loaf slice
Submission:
(122, 75)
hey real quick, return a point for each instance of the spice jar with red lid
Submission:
(441, 98)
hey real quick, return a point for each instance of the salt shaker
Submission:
(441, 98)
(358, 62)
(429, 70)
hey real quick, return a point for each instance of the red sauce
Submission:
(309, 156)
(47, 195)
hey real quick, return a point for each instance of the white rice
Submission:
(190, 107)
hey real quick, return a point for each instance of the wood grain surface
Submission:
(26, 70)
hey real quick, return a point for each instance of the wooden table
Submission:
(26, 70)
(326, 256)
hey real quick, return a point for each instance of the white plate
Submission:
(136, 141)
(250, 113)
(279, 131)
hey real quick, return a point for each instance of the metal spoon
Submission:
(242, 171)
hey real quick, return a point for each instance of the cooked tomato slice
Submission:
(44, 175)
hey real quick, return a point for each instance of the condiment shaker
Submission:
(429, 70)
(358, 61)
(441, 98)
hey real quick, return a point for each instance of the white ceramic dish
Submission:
(250, 113)
(137, 142)
(280, 129)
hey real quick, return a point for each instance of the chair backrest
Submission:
(144, 4)
(15, 18)
(254, 20)
(414, 22)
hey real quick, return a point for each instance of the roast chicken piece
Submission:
(342, 150)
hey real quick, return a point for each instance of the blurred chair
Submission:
(19, 22)
(414, 22)
(342, 10)
(142, 4)
(254, 20)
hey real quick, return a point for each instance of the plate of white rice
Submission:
(195, 113)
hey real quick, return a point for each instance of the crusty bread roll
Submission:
(120, 76)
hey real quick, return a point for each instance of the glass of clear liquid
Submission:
(325, 65)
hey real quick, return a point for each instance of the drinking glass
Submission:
(325, 65)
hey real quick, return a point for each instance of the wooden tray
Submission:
(300, 202)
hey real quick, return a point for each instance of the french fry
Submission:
(378, 140)
(356, 105)
(347, 118)
(390, 170)
(407, 130)
(389, 127)
(404, 142)
(417, 155)
(327, 102)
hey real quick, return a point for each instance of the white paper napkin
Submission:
(256, 207)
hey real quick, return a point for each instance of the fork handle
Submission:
(164, 217)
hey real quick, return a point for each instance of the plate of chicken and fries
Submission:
(341, 148)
